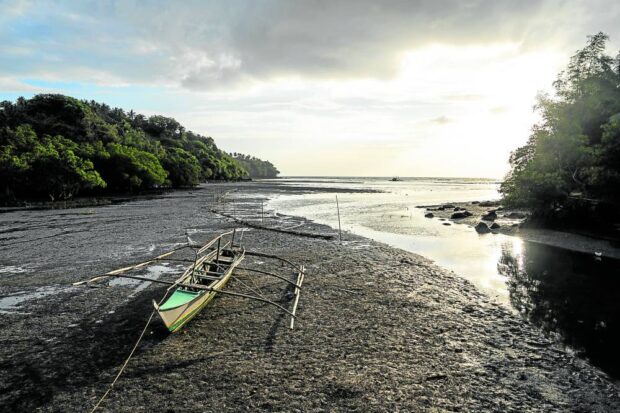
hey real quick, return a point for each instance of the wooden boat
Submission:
(200, 283)
(210, 270)
(212, 267)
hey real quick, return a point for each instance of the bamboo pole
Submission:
(204, 288)
(271, 274)
(339, 228)
(300, 280)
(131, 267)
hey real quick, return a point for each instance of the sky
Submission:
(318, 87)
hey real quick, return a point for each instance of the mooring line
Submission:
(124, 364)
(133, 350)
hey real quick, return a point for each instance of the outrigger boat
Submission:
(210, 270)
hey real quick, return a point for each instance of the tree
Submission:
(573, 154)
(130, 169)
(89, 147)
(57, 172)
(183, 168)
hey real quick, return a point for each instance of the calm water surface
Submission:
(571, 295)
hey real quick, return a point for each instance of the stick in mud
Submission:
(339, 229)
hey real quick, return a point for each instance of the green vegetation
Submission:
(257, 168)
(54, 147)
(571, 162)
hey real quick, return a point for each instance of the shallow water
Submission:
(392, 217)
(572, 295)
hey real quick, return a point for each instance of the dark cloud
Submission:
(206, 44)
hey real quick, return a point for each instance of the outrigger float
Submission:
(208, 273)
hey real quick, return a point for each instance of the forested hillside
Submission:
(257, 168)
(55, 147)
(570, 167)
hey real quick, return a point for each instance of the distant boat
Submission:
(395, 179)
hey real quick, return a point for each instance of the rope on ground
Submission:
(118, 375)
(133, 350)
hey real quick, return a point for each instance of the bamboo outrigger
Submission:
(210, 270)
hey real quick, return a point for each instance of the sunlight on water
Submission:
(392, 217)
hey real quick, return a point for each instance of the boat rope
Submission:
(118, 375)
(133, 350)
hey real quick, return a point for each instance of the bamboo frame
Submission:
(196, 263)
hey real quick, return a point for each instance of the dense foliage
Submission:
(54, 146)
(257, 168)
(572, 158)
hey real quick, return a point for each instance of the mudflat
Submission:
(379, 329)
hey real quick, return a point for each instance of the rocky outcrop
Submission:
(429, 215)
(458, 215)
(490, 216)
(482, 228)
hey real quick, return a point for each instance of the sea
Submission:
(570, 295)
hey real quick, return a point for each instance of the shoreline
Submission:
(571, 241)
(380, 329)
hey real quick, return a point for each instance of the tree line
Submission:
(55, 147)
(570, 166)
(257, 168)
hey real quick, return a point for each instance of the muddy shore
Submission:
(380, 329)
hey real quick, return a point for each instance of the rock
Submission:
(482, 228)
(489, 203)
(429, 215)
(515, 215)
(447, 223)
(458, 215)
(490, 216)
(495, 225)
(467, 213)
(475, 202)
(448, 206)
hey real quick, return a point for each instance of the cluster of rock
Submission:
(487, 222)
(483, 227)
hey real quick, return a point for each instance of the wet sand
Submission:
(379, 329)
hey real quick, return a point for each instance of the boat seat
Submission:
(208, 277)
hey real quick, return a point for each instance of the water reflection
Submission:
(570, 294)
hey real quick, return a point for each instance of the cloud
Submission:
(202, 45)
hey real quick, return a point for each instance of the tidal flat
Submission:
(379, 328)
